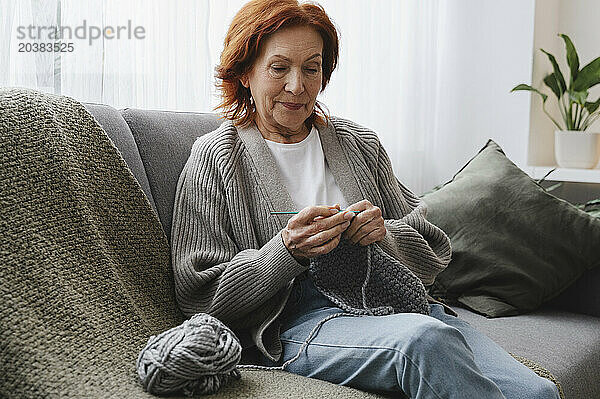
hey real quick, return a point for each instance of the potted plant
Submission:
(574, 147)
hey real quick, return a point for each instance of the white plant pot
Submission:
(575, 149)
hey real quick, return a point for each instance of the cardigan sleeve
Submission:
(423, 247)
(212, 274)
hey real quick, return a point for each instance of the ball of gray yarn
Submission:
(196, 357)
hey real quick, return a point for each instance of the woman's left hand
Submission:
(367, 226)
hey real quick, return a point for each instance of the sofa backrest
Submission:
(117, 129)
(155, 145)
(164, 140)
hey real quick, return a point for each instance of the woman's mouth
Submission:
(292, 106)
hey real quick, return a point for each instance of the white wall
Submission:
(579, 20)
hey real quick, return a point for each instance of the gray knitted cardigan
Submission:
(227, 251)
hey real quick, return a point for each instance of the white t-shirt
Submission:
(306, 173)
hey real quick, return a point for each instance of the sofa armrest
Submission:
(583, 296)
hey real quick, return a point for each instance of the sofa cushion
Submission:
(117, 130)
(566, 344)
(164, 139)
(281, 384)
(515, 246)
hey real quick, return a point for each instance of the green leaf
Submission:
(552, 83)
(572, 58)
(529, 88)
(559, 76)
(588, 76)
(578, 96)
(554, 187)
(544, 98)
(592, 207)
(592, 106)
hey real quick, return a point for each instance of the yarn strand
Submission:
(305, 344)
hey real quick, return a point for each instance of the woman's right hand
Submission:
(314, 231)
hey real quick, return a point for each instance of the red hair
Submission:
(253, 23)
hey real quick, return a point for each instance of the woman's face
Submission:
(285, 80)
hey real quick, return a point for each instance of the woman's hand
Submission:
(314, 231)
(367, 227)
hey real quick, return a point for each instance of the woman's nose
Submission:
(295, 83)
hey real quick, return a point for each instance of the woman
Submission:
(278, 151)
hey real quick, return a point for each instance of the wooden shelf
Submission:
(565, 174)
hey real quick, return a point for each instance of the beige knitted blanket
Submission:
(85, 272)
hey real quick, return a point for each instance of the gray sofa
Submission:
(559, 336)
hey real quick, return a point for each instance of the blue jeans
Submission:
(437, 356)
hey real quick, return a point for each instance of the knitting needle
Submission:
(293, 213)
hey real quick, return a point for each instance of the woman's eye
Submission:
(278, 69)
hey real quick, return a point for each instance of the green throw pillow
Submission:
(514, 245)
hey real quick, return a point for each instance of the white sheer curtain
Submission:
(171, 68)
(431, 77)
(388, 77)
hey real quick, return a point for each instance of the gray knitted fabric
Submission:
(366, 280)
